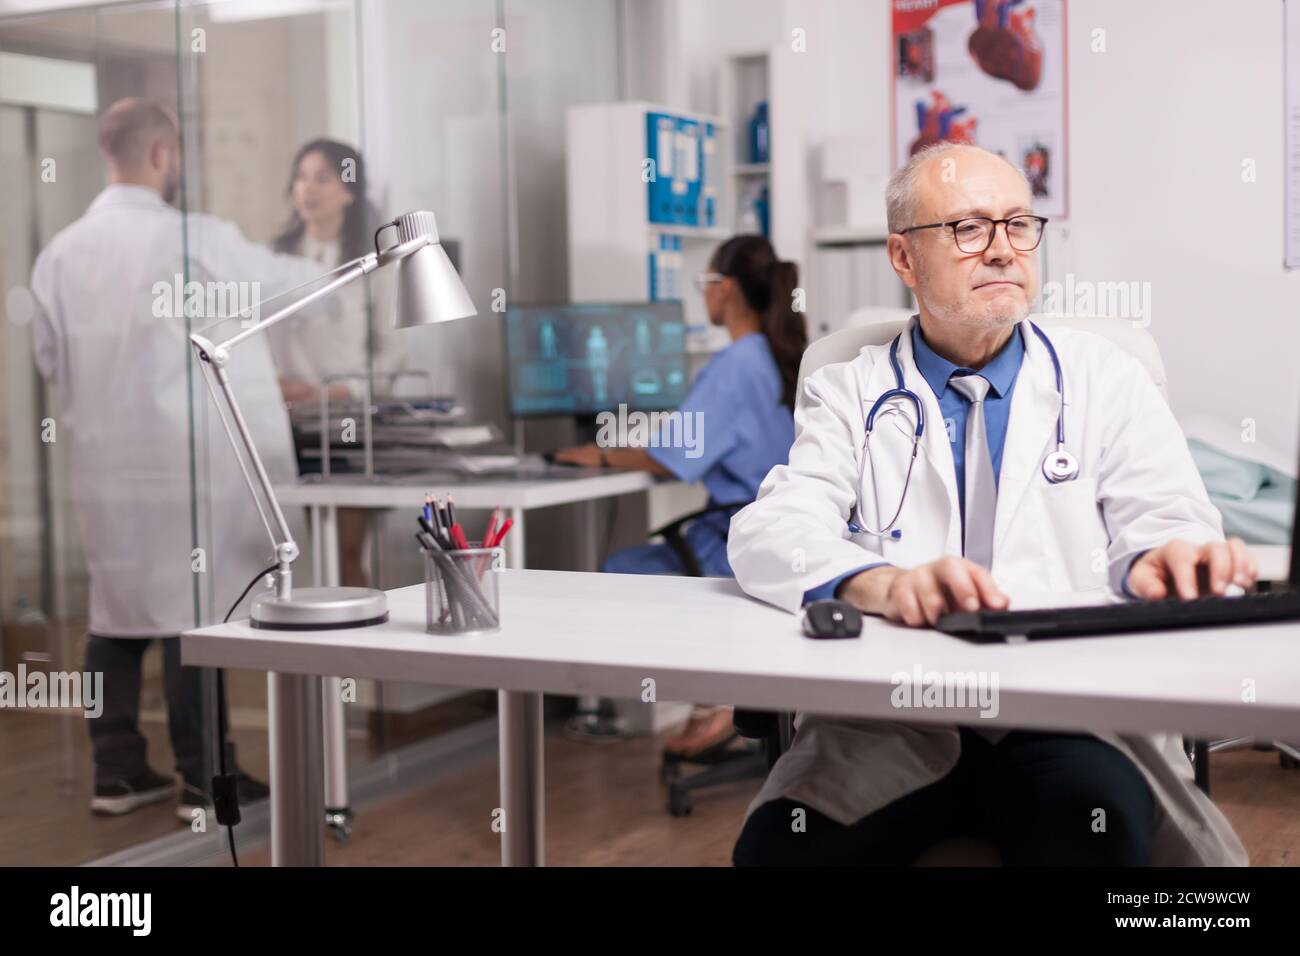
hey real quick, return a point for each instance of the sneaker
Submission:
(115, 797)
(193, 797)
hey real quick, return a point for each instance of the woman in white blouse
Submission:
(332, 223)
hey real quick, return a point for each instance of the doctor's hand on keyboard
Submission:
(1185, 570)
(919, 596)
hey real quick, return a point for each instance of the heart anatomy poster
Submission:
(988, 72)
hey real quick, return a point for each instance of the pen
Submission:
(489, 532)
(438, 535)
(444, 515)
(501, 535)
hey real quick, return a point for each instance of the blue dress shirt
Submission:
(1001, 373)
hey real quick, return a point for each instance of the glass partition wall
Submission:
(303, 126)
(66, 505)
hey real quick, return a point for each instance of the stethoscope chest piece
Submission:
(1060, 466)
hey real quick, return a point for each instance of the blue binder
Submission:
(661, 149)
(709, 176)
(686, 190)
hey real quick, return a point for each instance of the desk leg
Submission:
(523, 792)
(315, 515)
(589, 722)
(297, 804)
(515, 540)
(338, 811)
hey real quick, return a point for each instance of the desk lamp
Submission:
(428, 291)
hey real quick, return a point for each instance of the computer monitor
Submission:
(582, 359)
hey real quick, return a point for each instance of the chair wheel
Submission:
(339, 824)
(680, 803)
(1287, 761)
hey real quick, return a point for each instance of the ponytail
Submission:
(768, 285)
(785, 328)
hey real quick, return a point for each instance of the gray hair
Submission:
(900, 195)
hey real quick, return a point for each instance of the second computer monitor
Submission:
(582, 359)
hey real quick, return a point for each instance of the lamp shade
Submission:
(428, 288)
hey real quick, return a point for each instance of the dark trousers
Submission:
(1039, 797)
(115, 738)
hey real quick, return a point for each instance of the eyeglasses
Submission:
(976, 235)
(706, 279)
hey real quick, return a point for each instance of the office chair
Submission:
(724, 763)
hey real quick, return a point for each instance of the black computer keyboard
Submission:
(1093, 621)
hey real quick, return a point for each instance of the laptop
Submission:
(1279, 603)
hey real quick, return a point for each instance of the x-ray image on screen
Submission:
(584, 359)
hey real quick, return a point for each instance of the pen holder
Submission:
(461, 591)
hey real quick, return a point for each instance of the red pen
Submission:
(491, 527)
(501, 535)
(458, 536)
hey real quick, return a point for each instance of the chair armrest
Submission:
(673, 537)
(676, 524)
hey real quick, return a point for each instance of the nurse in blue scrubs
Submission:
(744, 400)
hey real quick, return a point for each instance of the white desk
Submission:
(702, 639)
(535, 488)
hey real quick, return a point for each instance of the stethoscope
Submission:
(1058, 465)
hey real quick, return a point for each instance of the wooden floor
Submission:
(45, 791)
(46, 780)
(604, 806)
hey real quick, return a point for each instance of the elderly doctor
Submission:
(979, 512)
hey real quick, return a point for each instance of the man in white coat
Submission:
(112, 290)
(980, 516)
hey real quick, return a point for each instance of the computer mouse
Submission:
(830, 619)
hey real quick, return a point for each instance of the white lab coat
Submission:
(120, 375)
(1137, 489)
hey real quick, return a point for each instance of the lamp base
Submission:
(320, 609)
